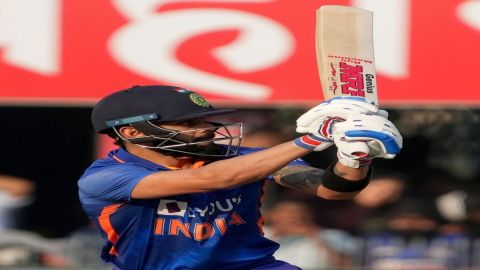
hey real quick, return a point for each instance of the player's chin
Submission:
(204, 141)
(206, 148)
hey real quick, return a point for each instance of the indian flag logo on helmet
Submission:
(195, 98)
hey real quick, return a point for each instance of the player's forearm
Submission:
(252, 167)
(220, 174)
(350, 173)
(337, 182)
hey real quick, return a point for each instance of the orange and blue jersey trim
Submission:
(261, 219)
(107, 227)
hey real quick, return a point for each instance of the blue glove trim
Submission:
(390, 144)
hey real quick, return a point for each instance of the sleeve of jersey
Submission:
(297, 162)
(113, 184)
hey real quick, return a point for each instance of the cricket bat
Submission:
(345, 58)
(344, 47)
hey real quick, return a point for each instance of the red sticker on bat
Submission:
(352, 79)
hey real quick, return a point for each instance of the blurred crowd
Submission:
(411, 216)
(384, 228)
(25, 248)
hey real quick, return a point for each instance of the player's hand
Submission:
(363, 137)
(319, 120)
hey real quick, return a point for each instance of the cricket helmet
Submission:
(146, 108)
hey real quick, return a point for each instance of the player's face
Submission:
(197, 137)
(198, 129)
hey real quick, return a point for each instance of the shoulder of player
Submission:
(107, 164)
(110, 171)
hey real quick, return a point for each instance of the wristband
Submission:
(340, 184)
(309, 141)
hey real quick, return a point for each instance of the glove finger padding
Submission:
(338, 108)
(382, 137)
(377, 150)
(354, 149)
(359, 101)
(353, 153)
(321, 127)
(324, 112)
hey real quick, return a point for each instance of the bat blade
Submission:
(344, 48)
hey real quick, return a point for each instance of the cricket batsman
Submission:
(181, 193)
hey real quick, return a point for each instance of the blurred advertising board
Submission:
(231, 51)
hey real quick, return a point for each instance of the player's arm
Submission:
(219, 174)
(336, 182)
(253, 167)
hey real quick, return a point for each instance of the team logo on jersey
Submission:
(215, 218)
(172, 208)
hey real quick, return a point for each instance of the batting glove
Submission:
(312, 142)
(361, 138)
(319, 120)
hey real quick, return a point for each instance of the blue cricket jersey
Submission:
(211, 230)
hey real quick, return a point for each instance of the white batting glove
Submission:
(361, 138)
(320, 119)
(312, 142)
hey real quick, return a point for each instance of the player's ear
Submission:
(128, 132)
